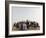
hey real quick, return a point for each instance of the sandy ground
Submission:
(30, 28)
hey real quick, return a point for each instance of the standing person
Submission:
(21, 26)
(24, 26)
(27, 23)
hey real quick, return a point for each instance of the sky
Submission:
(24, 13)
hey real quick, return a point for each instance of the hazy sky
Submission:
(24, 13)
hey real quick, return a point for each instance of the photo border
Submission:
(7, 18)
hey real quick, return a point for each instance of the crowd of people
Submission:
(25, 25)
